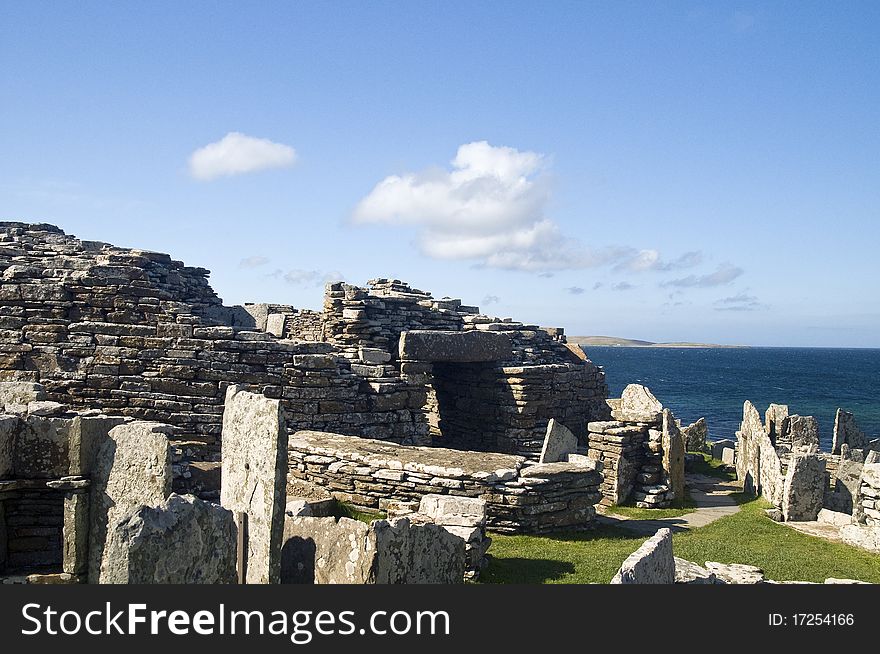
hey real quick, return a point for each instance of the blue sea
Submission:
(714, 382)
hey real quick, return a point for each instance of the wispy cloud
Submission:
(490, 299)
(622, 286)
(648, 260)
(254, 261)
(725, 273)
(490, 208)
(574, 290)
(300, 277)
(237, 153)
(740, 302)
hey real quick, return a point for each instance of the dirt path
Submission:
(711, 495)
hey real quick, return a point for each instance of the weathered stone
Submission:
(132, 468)
(87, 434)
(844, 488)
(774, 514)
(75, 541)
(736, 573)
(728, 456)
(15, 395)
(45, 408)
(324, 551)
(638, 404)
(846, 432)
(804, 432)
(9, 426)
(719, 446)
(687, 572)
(460, 347)
(804, 488)
(559, 442)
(776, 423)
(673, 455)
(834, 518)
(833, 580)
(862, 536)
(652, 563)
(449, 510)
(254, 478)
(696, 435)
(41, 447)
(184, 541)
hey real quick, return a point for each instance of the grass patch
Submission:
(345, 510)
(712, 467)
(746, 537)
(678, 509)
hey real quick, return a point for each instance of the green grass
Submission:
(712, 468)
(678, 509)
(746, 537)
(345, 510)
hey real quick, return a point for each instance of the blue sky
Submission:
(702, 171)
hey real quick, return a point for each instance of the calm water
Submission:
(714, 382)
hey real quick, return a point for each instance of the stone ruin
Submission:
(641, 449)
(780, 460)
(134, 401)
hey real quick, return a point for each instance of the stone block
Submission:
(16, 395)
(718, 447)
(862, 536)
(42, 448)
(183, 541)
(652, 563)
(673, 455)
(736, 573)
(452, 510)
(254, 474)
(804, 488)
(638, 404)
(132, 468)
(9, 427)
(454, 346)
(75, 533)
(559, 442)
(687, 572)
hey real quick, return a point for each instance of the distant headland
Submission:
(614, 341)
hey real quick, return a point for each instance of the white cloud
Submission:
(491, 299)
(489, 208)
(254, 261)
(725, 274)
(300, 277)
(575, 290)
(237, 153)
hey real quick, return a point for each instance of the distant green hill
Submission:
(615, 341)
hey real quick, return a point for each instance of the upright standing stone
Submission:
(75, 545)
(184, 541)
(253, 478)
(8, 432)
(846, 432)
(804, 488)
(696, 435)
(804, 433)
(776, 422)
(559, 442)
(132, 468)
(638, 404)
(673, 455)
(652, 563)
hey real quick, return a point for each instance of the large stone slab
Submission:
(454, 510)
(253, 478)
(862, 536)
(41, 448)
(8, 434)
(409, 553)
(638, 404)
(736, 573)
(132, 468)
(87, 434)
(559, 442)
(804, 433)
(652, 563)
(453, 346)
(804, 488)
(696, 434)
(673, 455)
(846, 432)
(327, 551)
(184, 541)
(15, 396)
(776, 422)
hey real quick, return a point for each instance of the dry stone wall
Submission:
(519, 497)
